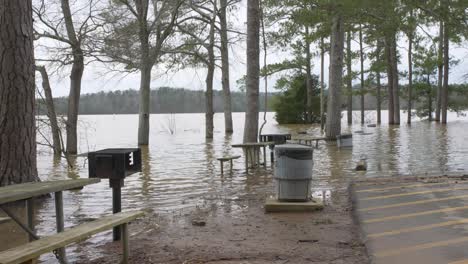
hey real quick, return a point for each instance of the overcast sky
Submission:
(97, 79)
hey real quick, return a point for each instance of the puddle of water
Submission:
(180, 172)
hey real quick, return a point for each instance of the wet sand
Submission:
(254, 237)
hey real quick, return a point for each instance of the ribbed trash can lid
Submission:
(294, 151)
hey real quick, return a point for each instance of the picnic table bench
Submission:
(252, 153)
(27, 192)
(227, 158)
(308, 139)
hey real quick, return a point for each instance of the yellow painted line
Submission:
(419, 228)
(403, 187)
(412, 203)
(465, 261)
(393, 252)
(412, 193)
(396, 217)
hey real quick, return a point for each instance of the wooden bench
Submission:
(27, 252)
(227, 158)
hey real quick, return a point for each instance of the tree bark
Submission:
(379, 99)
(444, 101)
(389, 58)
(396, 87)
(322, 84)
(253, 71)
(49, 101)
(440, 69)
(429, 97)
(310, 91)
(410, 75)
(333, 125)
(349, 80)
(379, 86)
(209, 113)
(17, 102)
(75, 80)
(146, 66)
(228, 127)
(361, 53)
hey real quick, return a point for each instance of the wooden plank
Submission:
(47, 244)
(253, 144)
(24, 191)
(304, 137)
(4, 220)
(229, 158)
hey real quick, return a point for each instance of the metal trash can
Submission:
(293, 172)
(344, 140)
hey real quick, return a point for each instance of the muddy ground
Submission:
(240, 232)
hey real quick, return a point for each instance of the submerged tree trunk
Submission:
(379, 99)
(333, 125)
(440, 69)
(389, 58)
(396, 87)
(146, 66)
(144, 108)
(75, 80)
(429, 97)
(209, 113)
(17, 100)
(310, 90)
(74, 102)
(444, 99)
(361, 53)
(322, 84)
(379, 86)
(349, 79)
(225, 68)
(253, 71)
(49, 102)
(410, 76)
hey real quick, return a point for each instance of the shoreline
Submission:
(254, 237)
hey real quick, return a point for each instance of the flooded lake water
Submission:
(180, 171)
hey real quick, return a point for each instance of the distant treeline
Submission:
(163, 100)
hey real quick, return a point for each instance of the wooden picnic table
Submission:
(27, 192)
(278, 138)
(252, 152)
(307, 139)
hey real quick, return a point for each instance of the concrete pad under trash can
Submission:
(274, 205)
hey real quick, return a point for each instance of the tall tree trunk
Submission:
(209, 113)
(75, 80)
(146, 66)
(74, 102)
(444, 101)
(379, 99)
(253, 71)
(349, 79)
(145, 98)
(361, 53)
(322, 84)
(396, 87)
(17, 102)
(225, 67)
(379, 86)
(440, 69)
(310, 90)
(410, 75)
(389, 58)
(429, 97)
(49, 101)
(333, 126)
